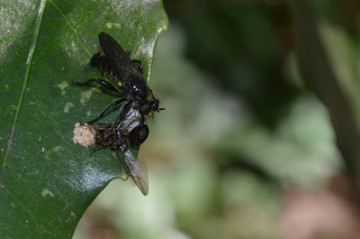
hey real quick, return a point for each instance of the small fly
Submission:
(131, 132)
(120, 140)
(134, 92)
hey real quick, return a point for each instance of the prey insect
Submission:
(120, 141)
(119, 138)
(134, 92)
(130, 133)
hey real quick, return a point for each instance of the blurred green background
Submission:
(244, 149)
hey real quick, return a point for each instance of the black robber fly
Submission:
(134, 92)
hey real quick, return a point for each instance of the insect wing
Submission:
(136, 169)
(118, 59)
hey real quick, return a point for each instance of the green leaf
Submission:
(47, 181)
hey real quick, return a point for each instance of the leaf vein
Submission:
(68, 22)
(27, 74)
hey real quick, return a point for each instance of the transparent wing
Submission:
(136, 169)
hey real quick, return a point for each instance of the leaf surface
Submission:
(47, 181)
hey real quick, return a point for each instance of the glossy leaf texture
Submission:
(47, 181)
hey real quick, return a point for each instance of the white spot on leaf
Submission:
(67, 107)
(47, 192)
(62, 87)
(85, 96)
(58, 148)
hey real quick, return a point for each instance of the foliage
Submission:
(47, 181)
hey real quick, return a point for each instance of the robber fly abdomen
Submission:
(100, 61)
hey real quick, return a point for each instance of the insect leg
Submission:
(103, 83)
(116, 102)
(92, 128)
(140, 66)
(124, 109)
(97, 147)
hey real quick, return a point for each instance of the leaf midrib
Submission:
(26, 79)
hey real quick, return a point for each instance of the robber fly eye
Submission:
(145, 109)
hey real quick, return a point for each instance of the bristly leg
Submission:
(103, 83)
(124, 109)
(116, 102)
